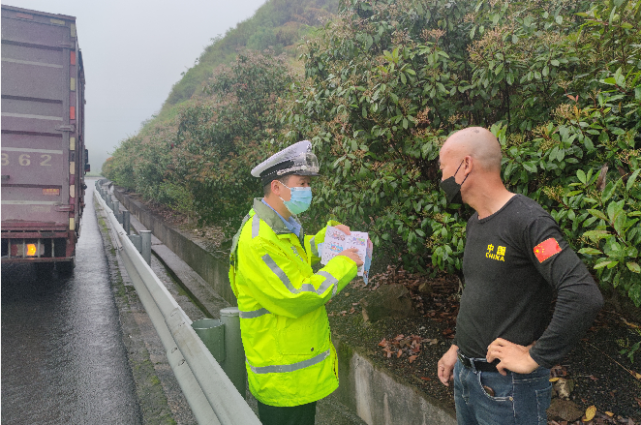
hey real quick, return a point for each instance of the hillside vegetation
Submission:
(278, 26)
(385, 82)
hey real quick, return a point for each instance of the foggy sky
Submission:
(133, 52)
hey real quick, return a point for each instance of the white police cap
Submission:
(296, 159)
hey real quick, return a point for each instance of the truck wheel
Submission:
(65, 267)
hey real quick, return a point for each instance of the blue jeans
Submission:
(516, 400)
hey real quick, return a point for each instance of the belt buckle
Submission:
(481, 366)
(464, 360)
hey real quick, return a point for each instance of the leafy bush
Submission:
(557, 82)
(385, 83)
(202, 163)
(140, 163)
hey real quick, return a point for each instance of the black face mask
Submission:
(452, 189)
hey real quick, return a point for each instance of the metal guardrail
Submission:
(212, 396)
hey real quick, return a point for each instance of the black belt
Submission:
(480, 365)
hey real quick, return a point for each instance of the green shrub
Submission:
(219, 142)
(557, 82)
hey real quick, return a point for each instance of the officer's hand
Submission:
(352, 254)
(344, 229)
(446, 366)
(513, 357)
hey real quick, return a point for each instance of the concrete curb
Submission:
(375, 395)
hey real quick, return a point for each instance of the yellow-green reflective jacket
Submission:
(290, 358)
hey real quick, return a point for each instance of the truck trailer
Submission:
(44, 159)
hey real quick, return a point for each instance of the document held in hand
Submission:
(337, 241)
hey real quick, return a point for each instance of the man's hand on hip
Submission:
(446, 365)
(513, 357)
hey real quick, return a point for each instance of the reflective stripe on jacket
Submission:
(290, 358)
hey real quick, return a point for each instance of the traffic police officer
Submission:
(290, 359)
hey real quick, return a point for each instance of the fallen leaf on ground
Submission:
(448, 333)
(425, 378)
(412, 358)
(610, 414)
(383, 343)
(589, 413)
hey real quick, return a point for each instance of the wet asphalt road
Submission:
(63, 359)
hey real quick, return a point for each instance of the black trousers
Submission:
(295, 415)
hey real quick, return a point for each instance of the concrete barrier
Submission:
(380, 398)
(374, 394)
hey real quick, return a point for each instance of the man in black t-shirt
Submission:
(515, 262)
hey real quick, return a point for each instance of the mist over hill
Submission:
(277, 26)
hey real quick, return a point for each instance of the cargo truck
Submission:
(44, 159)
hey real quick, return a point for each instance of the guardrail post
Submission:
(116, 210)
(137, 241)
(126, 223)
(212, 332)
(234, 364)
(146, 245)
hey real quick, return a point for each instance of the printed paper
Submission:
(337, 241)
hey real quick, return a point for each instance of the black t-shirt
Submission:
(515, 261)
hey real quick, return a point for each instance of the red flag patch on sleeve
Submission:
(546, 249)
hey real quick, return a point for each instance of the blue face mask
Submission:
(300, 201)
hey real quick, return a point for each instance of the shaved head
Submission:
(477, 142)
(472, 158)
